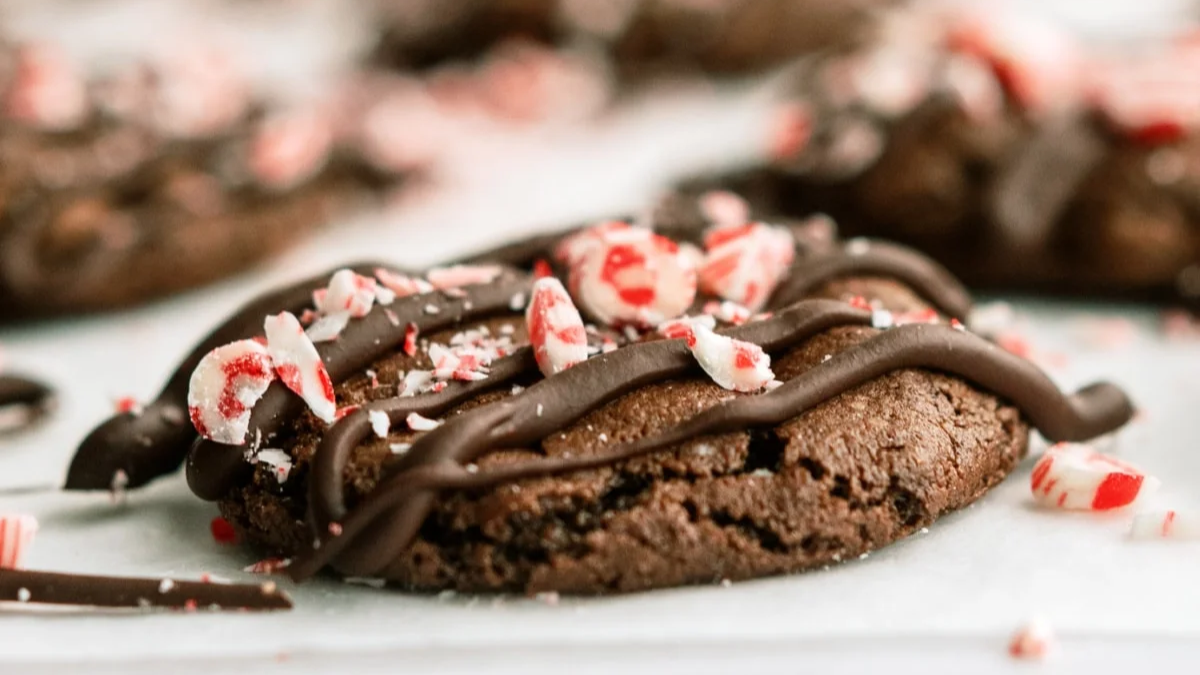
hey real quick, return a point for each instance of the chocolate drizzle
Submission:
(23, 403)
(54, 588)
(212, 468)
(377, 531)
(154, 443)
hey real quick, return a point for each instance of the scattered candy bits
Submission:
(555, 328)
(299, 365)
(222, 531)
(733, 364)
(1076, 477)
(457, 276)
(226, 384)
(289, 148)
(633, 277)
(1168, 524)
(16, 537)
(744, 263)
(1032, 641)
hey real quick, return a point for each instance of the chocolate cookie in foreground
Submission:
(772, 402)
(988, 140)
(129, 185)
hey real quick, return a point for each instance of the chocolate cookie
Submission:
(987, 142)
(442, 440)
(143, 182)
(23, 402)
(730, 36)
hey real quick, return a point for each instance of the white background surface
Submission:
(945, 601)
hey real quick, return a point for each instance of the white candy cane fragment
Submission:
(289, 148)
(349, 292)
(1032, 641)
(724, 208)
(745, 263)
(1168, 524)
(682, 327)
(298, 364)
(199, 93)
(380, 422)
(733, 364)
(729, 312)
(1076, 477)
(555, 327)
(46, 91)
(634, 278)
(279, 461)
(226, 384)
(16, 538)
(401, 284)
(418, 422)
(457, 276)
(328, 327)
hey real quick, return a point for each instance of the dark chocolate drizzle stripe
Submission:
(213, 468)
(326, 495)
(869, 257)
(55, 588)
(156, 442)
(29, 399)
(380, 529)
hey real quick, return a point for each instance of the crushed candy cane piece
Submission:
(1168, 524)
(992, 318)
(724, 208)
(279, 461)
(1031, 641)
(222, 532)
(16, 537)
(349, 292)
(682, 327)
(733, 364)
(572, 249)
(402, 285)
(223, 389)
(1076, 477)
(418, 422)
(410, 339)
(555, 327)
(380, 422)
(457, 276)
(791, 129)
(128, 405)
(745, 263)
(45, 90)
(289, 148)
(729, 312)
(268, 566)
(541, 268)
(1151, 98)
(298, 364)
(634, 277)
(328, 327)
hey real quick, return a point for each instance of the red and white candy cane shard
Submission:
(226, 384)
(290, 148)
(298, 364)
(401, 284)
(418, 422)
(1076, 477)
(634, 278)
(46, 91)
(724, 208)
(1032, 641)
(328, 327)
(16, 538)
(791, 129)
(746, 262)
(729, 312)
(349, 292)
(571, 250)
(555, 327)
(1168, 524)
(457, 276)
(682, 328)
(1153, 100)
(733, 364)
(1035, 62)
